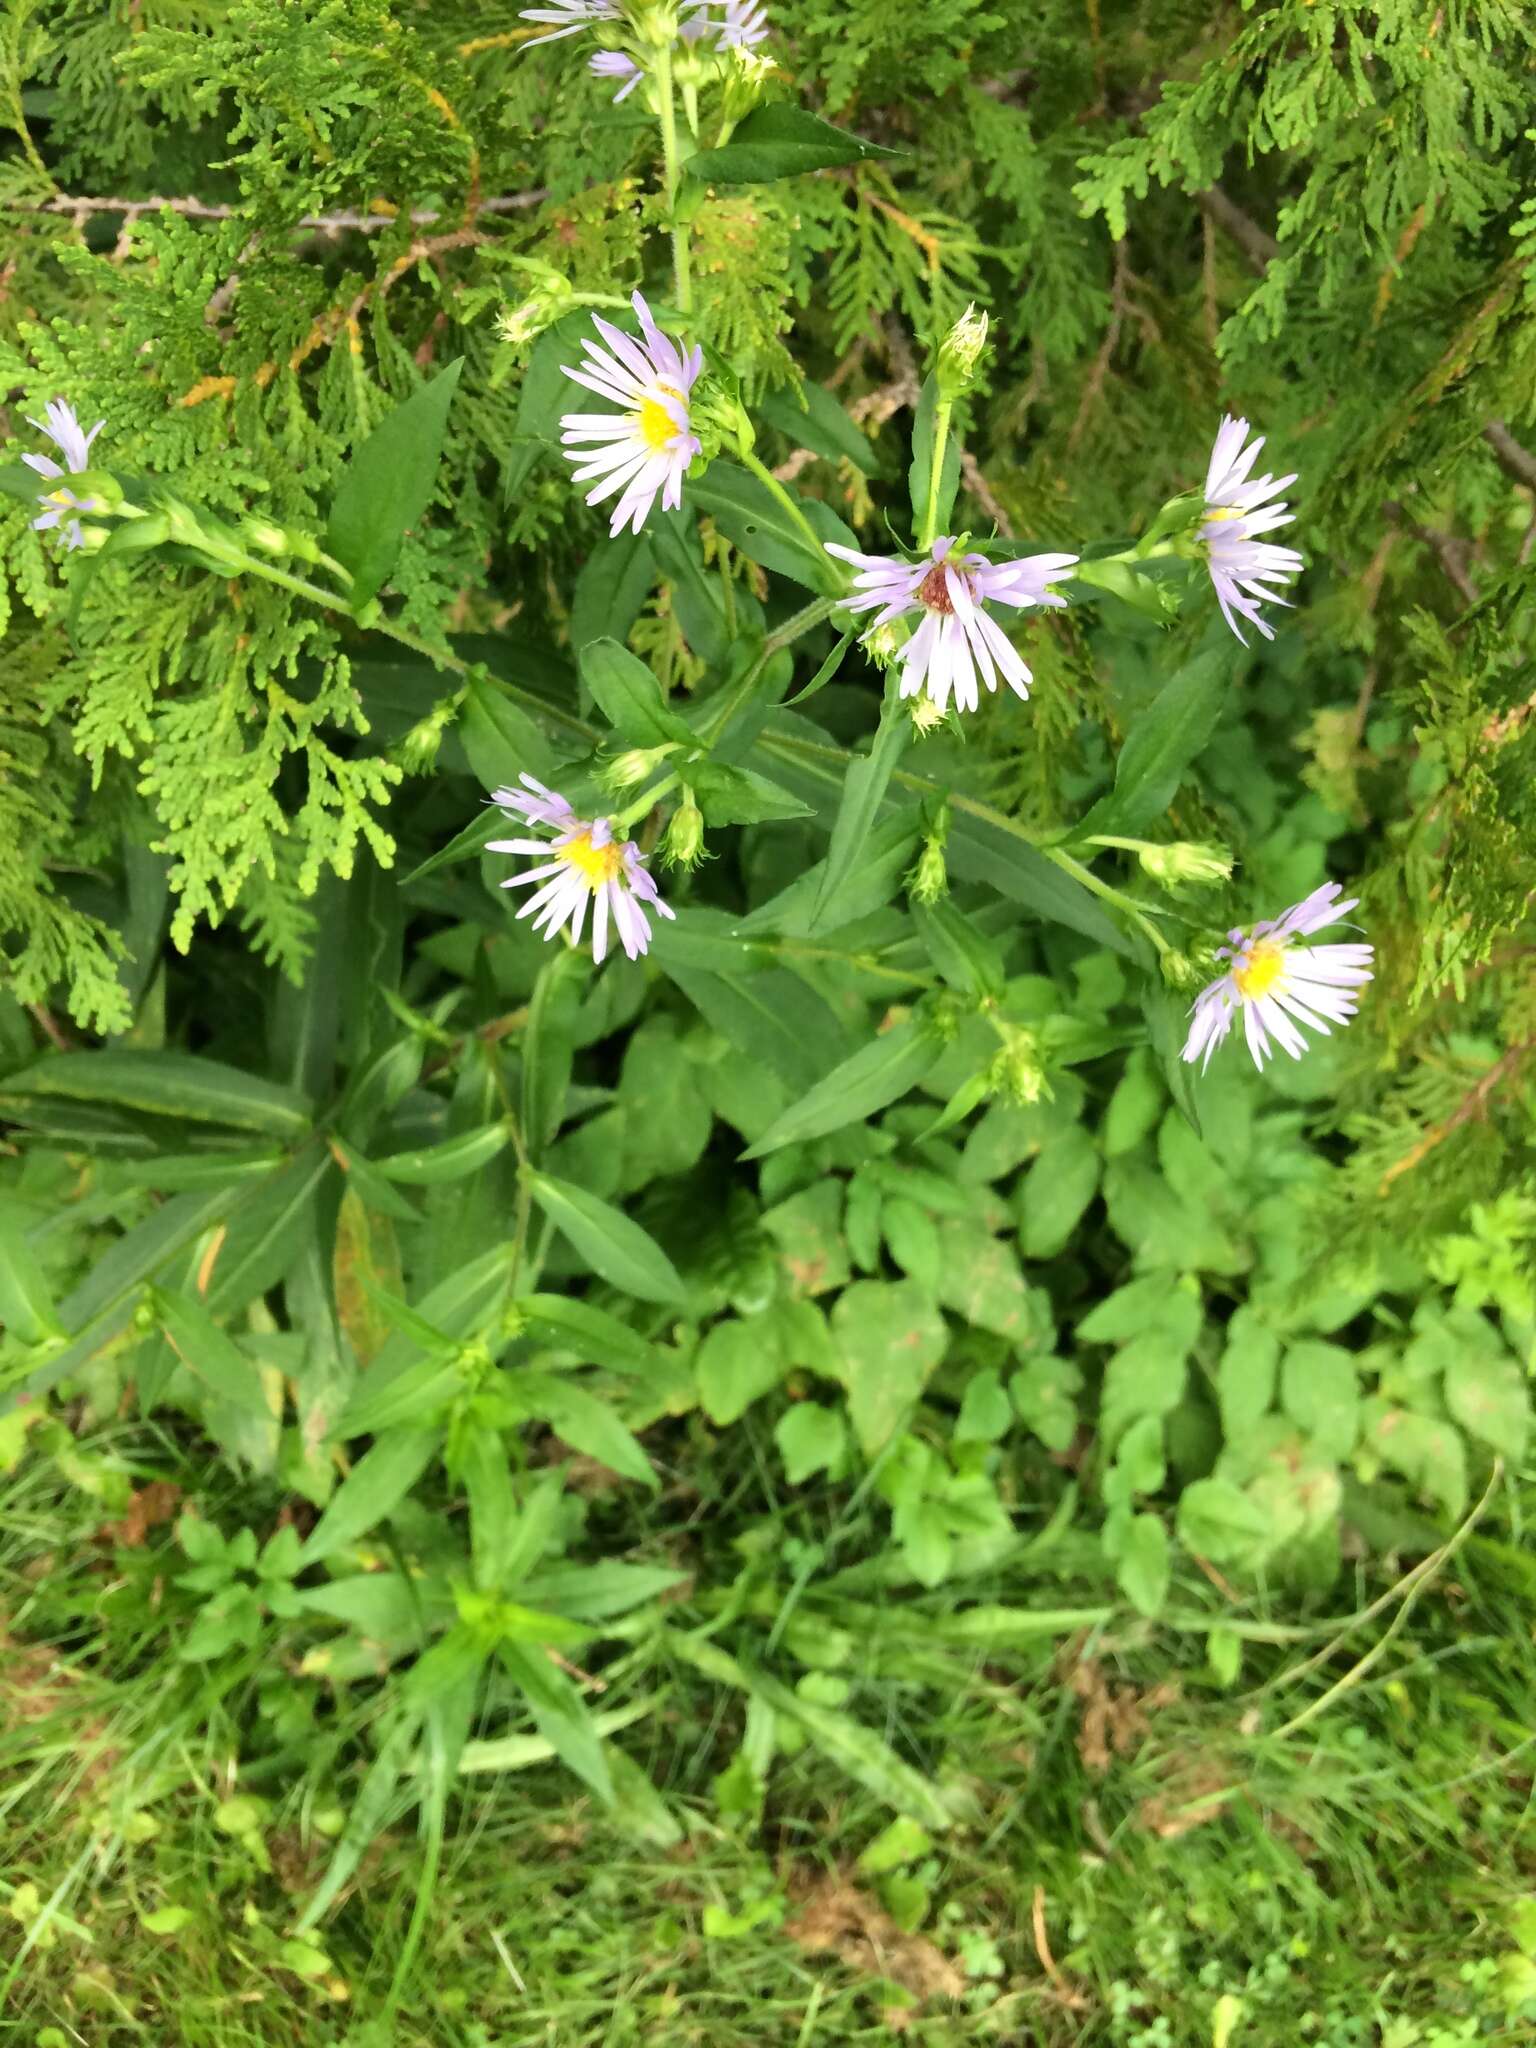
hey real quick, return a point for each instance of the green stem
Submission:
(781, 743)
(672, 172)
(766, 476)
(792, 630)
(332, 601)
(622, 820)
(1090, 881)
(941, 417)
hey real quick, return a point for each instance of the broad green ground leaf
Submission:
(811, 1438)
(1247, 1376)
(1145, 1377)
(616, 1249)
(1487, 1394)
(738, 1362)
(1218, 1521)
(1143, 1568)
(1055, 1192)
(388, 485)
(1319, 1392)
(888, 1337)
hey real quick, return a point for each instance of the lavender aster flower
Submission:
(568, 17)
(1235, 512)
(615, 64)
(956, 645)
(63, 428)
(1278, 984)
(743, 24)
(643, 451)
(589, 866)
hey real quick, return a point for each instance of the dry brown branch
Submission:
(1473, 1104)
(1260, 248)
(1447, 548)
(81, 208)
(1515, 461)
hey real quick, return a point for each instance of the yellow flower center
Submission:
(597, 864)
(1259, 969)
(656, 424)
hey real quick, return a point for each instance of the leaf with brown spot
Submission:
(366, 1262)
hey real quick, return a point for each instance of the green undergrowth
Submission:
(1327, 1840)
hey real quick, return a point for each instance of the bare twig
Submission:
(1101, 362)
(984, 494)
(1473, 1104)
(1260, 248)
(1515, 461)
(1449, 551)
(81, 208)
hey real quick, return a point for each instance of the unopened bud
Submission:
(683, 846)
(629, 770)
(418, 750)
(723, 421)
(883, 644)
(1179, 971)
(550, 296)
(929, 879)
(1017, 1073)
(1185, 862)
(745, 75)
(925, 714)
(266, 538)
(960, 353)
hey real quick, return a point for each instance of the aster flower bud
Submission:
(550, 296)
(418, 750)
(629, 770)
(929, 879)
(683, 846)
(1017, 1072)
(1180, 971)
(1185, 862)
(960, 354)
(745, 74)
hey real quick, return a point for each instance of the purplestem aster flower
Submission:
(63, 428)
(1278, 984)
(956, 645)
(568, 18)
(589, 866)
(615, 64)
(1243, 567)
(643, 451)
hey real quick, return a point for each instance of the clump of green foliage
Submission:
(879, 1183)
